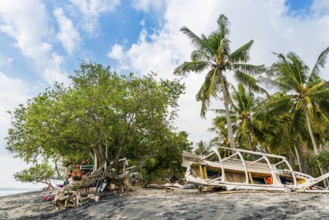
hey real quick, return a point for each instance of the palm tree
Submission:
(284, 127)
(245, 127)
(303, 88)
(221, 138)
(213, 54)
(202, 148)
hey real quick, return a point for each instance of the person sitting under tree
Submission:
(66, 181)
(77, 173)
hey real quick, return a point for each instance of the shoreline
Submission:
(21, 192)
(180, 204)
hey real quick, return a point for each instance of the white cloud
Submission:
(53, 72)
(27, 23)
(320, 7)
(116, 52)
(13, 91)
(267, 22)
(148, 5)
(92, 9)
(5, 61)
(68, 35)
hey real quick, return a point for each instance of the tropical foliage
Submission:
(213, 55)
(202, 148)
(245, 127)
(115, 116)
(39, 173)
(102, 113)
(304, 91)
(287, 122)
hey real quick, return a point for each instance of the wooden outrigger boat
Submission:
(260, 171)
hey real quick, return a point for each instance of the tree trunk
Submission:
(250, 142)
(308, 120)
(50, 186)
(254, 157)
(56, 167)
(298, 157)
(291, 159)
(315, 147)
(227, 111)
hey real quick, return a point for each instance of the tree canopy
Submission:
(39, 173)
(100, 113)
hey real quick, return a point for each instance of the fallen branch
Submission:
(66, 198)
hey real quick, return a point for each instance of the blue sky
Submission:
(299, 5)
(120, 24)
(44, 41)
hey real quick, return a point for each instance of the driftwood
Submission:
(67, 198)
(120, 181)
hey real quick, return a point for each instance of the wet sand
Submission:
(159, 204)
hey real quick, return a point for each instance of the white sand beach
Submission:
(159, 204)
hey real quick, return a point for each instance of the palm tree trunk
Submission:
(254, 157)
(308, 120)
(291, 160)
(315, 147)
(298, 156)
(250, 142)
(227, 111)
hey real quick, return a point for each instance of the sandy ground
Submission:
(158, 204)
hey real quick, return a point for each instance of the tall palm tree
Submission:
(245, 127)
(213, 54)
(303, 88)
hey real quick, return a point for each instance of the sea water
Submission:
(5, 191)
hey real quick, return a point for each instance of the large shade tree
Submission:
(102, 113)
(213, 54)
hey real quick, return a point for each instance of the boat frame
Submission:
(234, 172)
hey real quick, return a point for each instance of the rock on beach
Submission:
(180, 204)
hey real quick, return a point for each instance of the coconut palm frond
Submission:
(221, 111)
(321, 61)
(223, 24)
(199, 43)
(198, 55)
(277, 105)
(195, 66)
(272, 83)
(242, 53)
(249, 68)
(208, 89)
(249, 81)
(317, 89)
